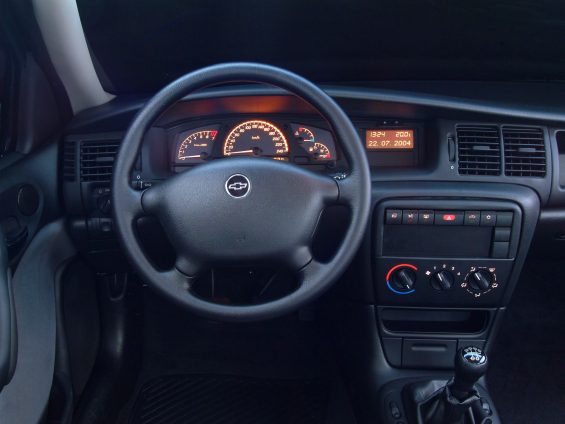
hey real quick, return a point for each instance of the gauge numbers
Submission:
(256, 138)
(319, 151)
(195, 145)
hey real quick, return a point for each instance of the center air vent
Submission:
(524, 152)
(97, 160)
(478, 149)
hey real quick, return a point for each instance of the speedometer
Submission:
(256, 138)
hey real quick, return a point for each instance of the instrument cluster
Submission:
(295, 142)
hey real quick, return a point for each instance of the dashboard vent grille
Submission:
(97, 160)
(478, 149)
(69, 161)
(524, 152)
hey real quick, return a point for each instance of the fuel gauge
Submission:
(319, 151)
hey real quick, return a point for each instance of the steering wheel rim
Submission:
(354, 190)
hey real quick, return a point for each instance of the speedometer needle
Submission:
(240, 152)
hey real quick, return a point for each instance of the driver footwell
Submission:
(200, 371)
(203, 399)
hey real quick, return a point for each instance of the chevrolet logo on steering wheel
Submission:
(238, 186)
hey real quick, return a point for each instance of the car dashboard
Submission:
(459, 187)
(249, 126)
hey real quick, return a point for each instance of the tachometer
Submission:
(195, 145)
(256, 138)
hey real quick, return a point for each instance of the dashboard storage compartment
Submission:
(434, 321)
(428, 353)
(429, 338)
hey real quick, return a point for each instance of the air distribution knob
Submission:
(403, 279)
(442, 280)
(480, 281)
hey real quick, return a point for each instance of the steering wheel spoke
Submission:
(190, 267)
(348, 187)
(300, 258)
(308, 273)
(132, 204)
(150, 199)
(177, 280)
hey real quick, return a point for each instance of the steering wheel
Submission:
(242, 210)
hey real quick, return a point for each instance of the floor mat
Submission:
(527, 372)
(212, 399)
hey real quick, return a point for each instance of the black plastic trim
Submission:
(502, 108)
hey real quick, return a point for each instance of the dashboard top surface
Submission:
(431, 113)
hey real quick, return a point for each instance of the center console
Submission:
(445, 263)
(442, 267)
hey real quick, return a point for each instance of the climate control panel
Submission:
(453, 282)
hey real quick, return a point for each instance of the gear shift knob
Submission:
(470, 364)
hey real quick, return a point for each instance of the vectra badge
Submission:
(238, 186)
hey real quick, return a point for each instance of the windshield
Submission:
(140, 45)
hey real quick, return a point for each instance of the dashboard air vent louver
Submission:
(97, 160)
(478, 149)
(69, 161)
(524, 152)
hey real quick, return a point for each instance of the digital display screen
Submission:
(396, 139)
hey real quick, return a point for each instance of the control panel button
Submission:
(488, 218)
(502, 234)
(504, 219)
(448, 218)
(410, 217)
(426, 217)
(472, 218)
(500, 249)
(393, 216)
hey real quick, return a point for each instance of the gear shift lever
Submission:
(458, 401)
(470, 365)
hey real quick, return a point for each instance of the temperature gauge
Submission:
(196, 145)
(304, 135)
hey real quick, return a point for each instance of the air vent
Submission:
(478, 149)
(524, 152)
(97, 160)
(69, 161)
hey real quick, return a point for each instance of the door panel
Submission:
(25, 398)
(8, 336)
